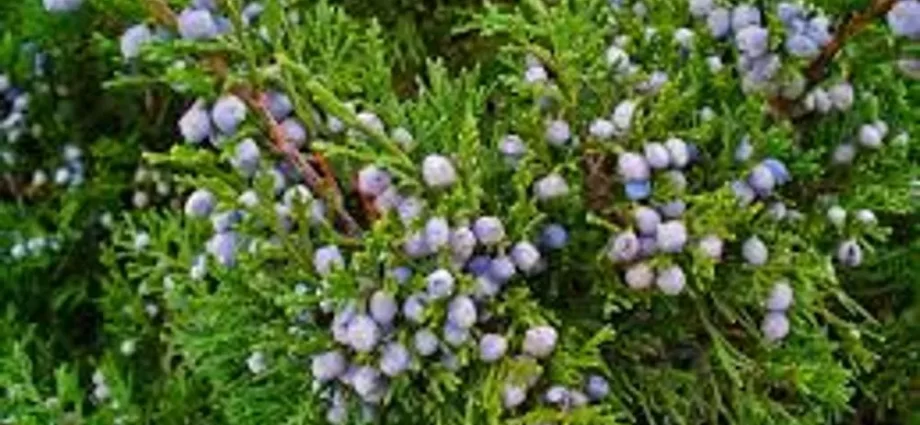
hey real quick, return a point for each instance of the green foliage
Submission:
(133, 320)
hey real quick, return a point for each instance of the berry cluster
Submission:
(150, 184)
(34, 246)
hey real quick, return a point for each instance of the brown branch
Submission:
(817, 69)
(327, 187)
(854, 26)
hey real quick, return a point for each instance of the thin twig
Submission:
(817, 69)
(855, 25)
(327, 188)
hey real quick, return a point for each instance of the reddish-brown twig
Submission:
(855, 25)
(817, 69)
(326, 186)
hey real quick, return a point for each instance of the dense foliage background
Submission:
(119, 306)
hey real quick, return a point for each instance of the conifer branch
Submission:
(326, 186)
(817, 69)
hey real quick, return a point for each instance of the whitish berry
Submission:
(195, 124)
(904, 19)
(197, 25)
(228, 113)
(328, 366)
(551, 187)
(802, 46)
(489, 230)
(617, 58)
(327, 259)
(743, 16)
(337, 414)
(199, 268)
(882, 127)
(657, 155)
(866, 217)
(501, 269)
(455, 335)
(462, 243)
(368, 383)
(373, 180)
(141, 241)
(633, 167)
(602, 129)
(778, 169)
(200, 204)
(761, 180)
(223, 247)
(679, 151)
(409, 209)
(671, 280)
(684, 37)
(624, 247)
(870, 136)
(224, 221)
(671, 236)
(638, 190)
(486, 287)
(278, 104)
(438, 172)
(714, 63)
(394, 359)
(437, 233)
(842, 96)
(362, 334)
(540, 341)
(775, 326)
(755, 252)
(701, 8)
(413, 308)
(849, 253)
(558, 133)
(753, 41)
(909, 67)
(673, 209)
(415, 245)
(513, 396)
(440, 284)
(780, 298)
(403, 137)
(744, 193)
(719, 22)
(400, 274)
(597, 387)
(383, 307)
(294, 132)
(526, 256)
(18, 251)
(837, 215)
(512, 147)
(133, 39)
(654, 83)
(623, 115)
(554, 236)
(557, 394)
(371, 121)
(246, 157)
(388, 200)
(140, 199)
(462, 312)
(492, 347)
(535, 74)
(844, 154)
(640, 276)
(425, 342)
